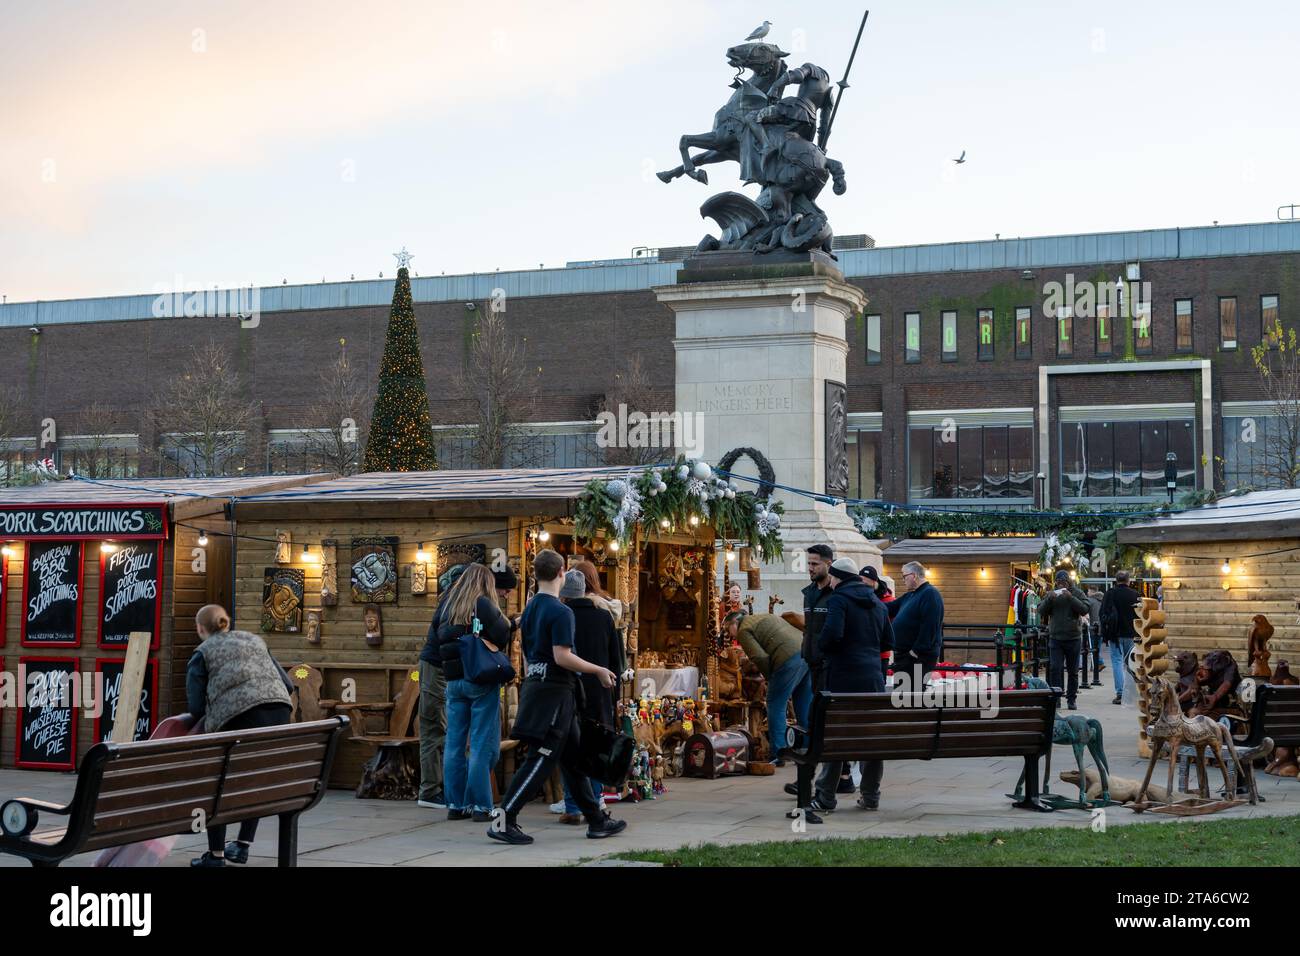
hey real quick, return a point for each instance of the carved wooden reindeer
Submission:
(1172, 729)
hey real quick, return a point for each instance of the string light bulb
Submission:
(421, 555)
(544, 535)
(1226, 567)
(731, 555)
(7, 551)
(984, 572)
(108, 547)
(613, 544)
(663, 523)
(306, 553)
(203, 539)
(695, 520)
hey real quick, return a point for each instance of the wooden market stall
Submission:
(83, 565)
(975, 574)
(369, 556)
(1257, 537)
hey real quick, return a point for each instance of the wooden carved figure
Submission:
(1171, 729)
(1282, 676)
(1188, 689)
(312, 625)
(374, 625)
(283, 547)
(1257, 646)
(1218, 678)
(329, 573)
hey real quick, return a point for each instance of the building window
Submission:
(1257, 451)
(1104, 330)
(873, 340)
(1125, 459)
(971, 461)
(541, 445)
(948, 327)
(202, 454)
(1182, 325)
(1227, 322)
(1024, 344)
(1065, 331)
(16, 454)
(1142, 328)
(912, 338)
(100, 456)
(985, 326)
(863, 446)
(1268, 321)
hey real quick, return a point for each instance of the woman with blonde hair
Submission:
(473, 710)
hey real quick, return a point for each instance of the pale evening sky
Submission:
(248, 142)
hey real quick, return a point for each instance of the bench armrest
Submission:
(43, 806)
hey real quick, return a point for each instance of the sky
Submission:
(149, 145)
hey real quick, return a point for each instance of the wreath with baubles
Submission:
(766, 473)
(668, 497)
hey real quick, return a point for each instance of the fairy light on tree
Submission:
(401, 431)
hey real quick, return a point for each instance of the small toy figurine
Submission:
(643, 712)
(688, 715)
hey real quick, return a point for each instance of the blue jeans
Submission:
(473, 721)
(572, 808)
(1119, 651)
(791, 680)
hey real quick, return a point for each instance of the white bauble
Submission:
(683, 472)
(702, 470)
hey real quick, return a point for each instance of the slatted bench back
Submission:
(1281, 713)
(876, 727)
(157, 788)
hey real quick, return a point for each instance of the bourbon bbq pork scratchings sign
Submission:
(130, 589)
(52, 594)
(47, 724)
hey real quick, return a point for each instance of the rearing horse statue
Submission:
(731, 138)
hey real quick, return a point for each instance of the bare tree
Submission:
(13, 416)
(205, 426)
(334, 435)
(93, 455)
(629, 396)
(497, 388)
(1277, 359)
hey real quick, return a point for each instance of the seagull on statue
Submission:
(760, 32)
(403, 258)
(960, 159)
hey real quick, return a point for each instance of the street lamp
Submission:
(1171, 474)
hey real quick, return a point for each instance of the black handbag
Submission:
(482, 664)
(604, 754)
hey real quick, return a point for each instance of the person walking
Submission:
(773, 647)
(473, 710)
(595, 640)
(917, 618)
(234, 683)
(547, 719)
(1065, 609)
(1118, 614)
(1092, 633)
(856, 632)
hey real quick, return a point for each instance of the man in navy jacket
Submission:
(918, 625)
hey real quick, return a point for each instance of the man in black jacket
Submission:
(1064, 609)
(815, 596)
(1118, 613)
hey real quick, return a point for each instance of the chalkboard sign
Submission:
(52, 594)
(111, 669)
(130, 593)
(47, 718)
(4, 596)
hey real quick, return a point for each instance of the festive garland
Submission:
(671, 496)
(766, 473)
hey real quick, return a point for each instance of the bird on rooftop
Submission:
(960, 159)
(760, 32)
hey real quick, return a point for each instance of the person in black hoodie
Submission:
(473, 710)
(595, 639)
(855, 633)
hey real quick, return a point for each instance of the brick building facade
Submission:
(965, 379)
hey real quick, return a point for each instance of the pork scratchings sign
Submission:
(130, 592)
(52, 585)
(33, 522)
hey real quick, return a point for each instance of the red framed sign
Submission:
(130, 593)
(53, 579)
(118, 522)
(47, 713)
(146, 718)
(4, 597)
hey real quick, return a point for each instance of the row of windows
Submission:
(1107, 329)
(1125, 459)
(971, 461)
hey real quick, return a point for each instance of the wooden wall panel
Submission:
(969, 597)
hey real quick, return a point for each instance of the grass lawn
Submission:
(1263, 842)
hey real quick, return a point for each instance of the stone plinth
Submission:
(753, 360)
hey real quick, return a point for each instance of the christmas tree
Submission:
(401, 433)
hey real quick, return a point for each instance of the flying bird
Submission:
(961, 159)
(760, 32)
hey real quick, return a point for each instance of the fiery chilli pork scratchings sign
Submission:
(52, 594)
(47, 724)
(33, 522)
(131, 577)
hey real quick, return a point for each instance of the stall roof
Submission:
(1260, 515)
(190, 497)
(413, 493)
(965, 548)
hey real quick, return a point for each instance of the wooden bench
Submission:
(851, 727)
(1274, 722)
(131, 792)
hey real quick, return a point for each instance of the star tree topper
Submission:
(403, 258)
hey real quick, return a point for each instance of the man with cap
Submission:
(1118, 613)
(1064, 609)
(855, 633)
